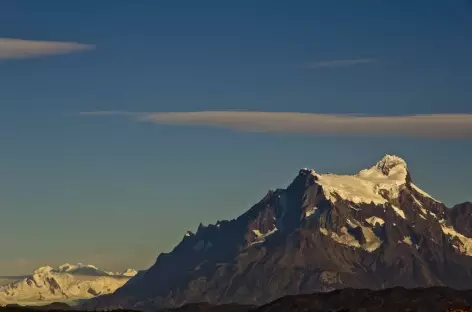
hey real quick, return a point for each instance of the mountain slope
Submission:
(66, 283)
(375, 229)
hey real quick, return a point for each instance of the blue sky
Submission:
(115, 192)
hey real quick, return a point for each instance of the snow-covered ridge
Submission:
(82, 269)
(66, 283)
(423, 193)
(379, 184)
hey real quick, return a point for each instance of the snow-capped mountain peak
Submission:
(390, 167)
(390, 162)
(43, 270)
(377, 184)
(71, 268)
(66, 267)
(129, 272)
(68, 282)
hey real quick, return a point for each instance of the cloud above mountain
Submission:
(11, 48)
(424, 126)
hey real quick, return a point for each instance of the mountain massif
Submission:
(66, 283)
(375, 229)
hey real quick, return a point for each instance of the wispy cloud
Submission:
(20, 49)
(425, 126)
(338, 63)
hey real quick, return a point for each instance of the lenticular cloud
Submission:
(426, 126)
(22, 49)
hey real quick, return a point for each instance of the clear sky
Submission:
(113, 191)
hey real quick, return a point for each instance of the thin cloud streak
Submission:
(338, 63)
(11, 49)
(420, 126)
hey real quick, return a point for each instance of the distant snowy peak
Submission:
(64, 283)
(43, 270)
(66, 267)
(82, 269)
(129, 272)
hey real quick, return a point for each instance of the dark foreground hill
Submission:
(436, 299)
(388, 300)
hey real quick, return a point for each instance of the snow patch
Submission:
(372, 242)
(129, 272)
(399, 212)
(351, 223)
(310, 211)
(407, 240)
(188, 234)
(424, 212)
(417, 202)
(375, 220)
(344, 238)
(260, 237)
(464, 245)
